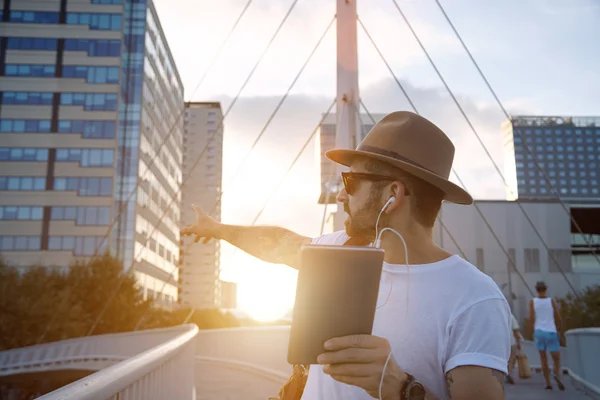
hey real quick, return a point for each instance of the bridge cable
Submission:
(453, 170)
(156, 154)
(201, 153)
(468, 121)
(506, 114)
(198, 159)
(308, 141)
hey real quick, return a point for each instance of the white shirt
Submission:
(514, 327)
(544, 314)
(436, 317)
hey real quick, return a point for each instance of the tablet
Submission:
(336, 295)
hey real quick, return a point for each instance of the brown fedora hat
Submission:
(413, 144)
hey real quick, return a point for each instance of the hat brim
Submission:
(453, 193)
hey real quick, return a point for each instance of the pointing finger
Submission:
(206, 240)
(197, 239)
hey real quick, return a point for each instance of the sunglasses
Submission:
(351, 180)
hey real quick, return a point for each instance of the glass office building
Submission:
(90, 137)
(566, 151)
(548, 157)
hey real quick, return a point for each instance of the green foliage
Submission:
(583, 312)
(64, 303)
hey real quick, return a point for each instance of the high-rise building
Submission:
(329, 180)
(566, 149)
(199, 283)
(90, 106)
(228, 295)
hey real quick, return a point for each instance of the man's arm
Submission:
(269, 243)
(471, 382)
(531, 315)
(557, 319)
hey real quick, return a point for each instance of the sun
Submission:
(265, 291)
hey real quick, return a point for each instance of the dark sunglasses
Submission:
(351, 180)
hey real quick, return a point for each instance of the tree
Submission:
(583, 312)
(59, 304)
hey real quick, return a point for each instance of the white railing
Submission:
(87, 353)
(583, 359)
(163, 372)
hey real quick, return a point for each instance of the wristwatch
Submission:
(412, 390)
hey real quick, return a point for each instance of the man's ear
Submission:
(398, 192)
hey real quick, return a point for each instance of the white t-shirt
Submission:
(436, 317)
(514, 326)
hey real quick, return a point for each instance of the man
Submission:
(515, 347)
(546, 326)
(450, 337)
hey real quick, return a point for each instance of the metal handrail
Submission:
(133, 371)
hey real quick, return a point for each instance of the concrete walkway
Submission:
(533, 389)
(218, 382)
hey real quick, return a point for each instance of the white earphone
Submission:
(377, 244)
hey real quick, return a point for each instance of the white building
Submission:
(199, 283)
(477, 243)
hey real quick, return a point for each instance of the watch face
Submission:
(416, 392)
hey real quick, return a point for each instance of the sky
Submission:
(540, 56)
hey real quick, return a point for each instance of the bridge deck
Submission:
(533, 389)
(223, 383)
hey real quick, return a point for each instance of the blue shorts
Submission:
(545, 340)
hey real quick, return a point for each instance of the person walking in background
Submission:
(515, 348)
(546, 325)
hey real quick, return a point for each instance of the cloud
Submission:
(247, 186)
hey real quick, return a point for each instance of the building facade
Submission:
(199, 283)
(327, 132)
(466, 233)
(228, 295)
(90, 148)
(562, 150)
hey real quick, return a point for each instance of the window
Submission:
(24, 126)
(25, 43)
(532, 260)
(89, 129)
(33, 70)
(22, 183)
(105, 22)
(82, 215)
(20, 243)
(24, 213)
(34, 17)
(23, 154)
(27, 98)
(92, 74)
(79, 245)
(95, 48)
(560, 256)
(107, 1)
(85, 186)
(86, 157)
(90, 101)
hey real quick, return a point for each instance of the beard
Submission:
(361, 222)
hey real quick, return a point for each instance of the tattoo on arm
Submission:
(268, 243)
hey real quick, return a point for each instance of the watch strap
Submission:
(407, 384)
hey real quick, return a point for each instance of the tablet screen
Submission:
(336, 295)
